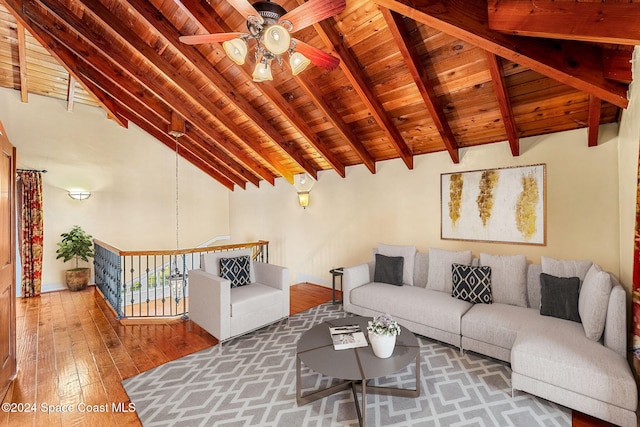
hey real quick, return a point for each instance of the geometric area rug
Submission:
(251, 382)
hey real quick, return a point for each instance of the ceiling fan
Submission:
(271, 26)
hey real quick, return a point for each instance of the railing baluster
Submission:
(118, 278)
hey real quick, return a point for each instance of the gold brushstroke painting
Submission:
(495, 205)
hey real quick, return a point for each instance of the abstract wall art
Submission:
(495, 205)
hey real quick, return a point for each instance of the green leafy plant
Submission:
(75, 244)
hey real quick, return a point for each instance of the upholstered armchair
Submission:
(227, 302)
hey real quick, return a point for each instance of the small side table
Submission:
(335, 272)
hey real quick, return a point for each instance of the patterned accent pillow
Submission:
(235, 269)
(472, 284)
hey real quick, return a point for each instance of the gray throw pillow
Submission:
(560, 297)
(388, 270)
(508, 278)
(440, 261)
(409, 255)
(565, 267)
(593, 302)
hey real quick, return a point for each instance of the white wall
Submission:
(347, 217)
(131, 177)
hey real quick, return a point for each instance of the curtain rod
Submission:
(32, 170)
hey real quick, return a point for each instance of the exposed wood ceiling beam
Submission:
(22, 63)
(575, 64)
(340, 126)
(124, 65)
(96, 82)
(205, 18)
(617, 64)
(595, 106)
(349, 65)
(162, 136)
(71, 92)
(18, 9)
(505, 104)
(593, 22)
(193, 93)
(420, 76)
(152, 16)
(151, 111)
(199, 153)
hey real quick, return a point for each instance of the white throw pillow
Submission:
(210, 262)
(593, 301)
(439, 277)
(406, 252)
(508, 278)
(565, 267)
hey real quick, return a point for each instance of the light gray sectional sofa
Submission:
(579, 365)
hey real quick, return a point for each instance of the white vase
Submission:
(382, 345)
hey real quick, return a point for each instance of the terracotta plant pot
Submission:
(78, 278)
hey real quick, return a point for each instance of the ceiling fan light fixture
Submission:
(262, 72)
(276, 39)
(298, 63)
(236, 50)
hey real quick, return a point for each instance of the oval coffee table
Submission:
(355, 366)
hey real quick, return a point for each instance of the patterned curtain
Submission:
(635, 309)
(30, 231)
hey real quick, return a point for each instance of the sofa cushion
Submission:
(440, 262)
(424, 306)
(508, 278)
(388, 269)
(472, 284)
(236, 270)
(250, 299)
(210, 262)
(421, 269)
(565, 267)
(409, 255)
(560, 297)
(594, 301)
(533, 285)
(564, 357)
(497, 324)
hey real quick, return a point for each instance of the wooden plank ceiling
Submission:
(415, 77)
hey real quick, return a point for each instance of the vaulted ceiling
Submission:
(415, 77)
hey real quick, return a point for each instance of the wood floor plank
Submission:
(72, 350)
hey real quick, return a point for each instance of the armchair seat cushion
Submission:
(252, 298)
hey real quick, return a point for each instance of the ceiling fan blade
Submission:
(209, 38)
(316, 56)
(313, 11)
(246, 9)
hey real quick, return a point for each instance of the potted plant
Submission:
(382, 335)
(76, 244)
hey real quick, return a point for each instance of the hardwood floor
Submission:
(73, 354)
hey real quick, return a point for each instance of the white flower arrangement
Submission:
(383, 324)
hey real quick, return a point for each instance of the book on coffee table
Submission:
(347, 336)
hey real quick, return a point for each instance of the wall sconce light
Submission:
(303, 184)
(79, 194)
(303, 198)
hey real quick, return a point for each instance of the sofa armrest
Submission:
(352, 278)
(210, 303)
(276, 277)
(272, 275)
(615, 327)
